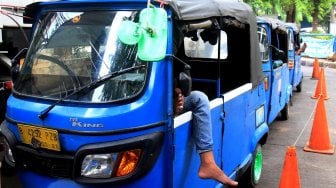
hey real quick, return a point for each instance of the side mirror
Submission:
(16, 62)
(150, 34)
(278, 54)
(153, 43)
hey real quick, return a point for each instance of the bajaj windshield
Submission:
(71, 50)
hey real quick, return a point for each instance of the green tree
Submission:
(294, 10)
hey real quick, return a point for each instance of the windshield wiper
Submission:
(89, 87)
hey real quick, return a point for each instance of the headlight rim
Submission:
(149, 144)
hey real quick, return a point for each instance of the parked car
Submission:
(14, 35)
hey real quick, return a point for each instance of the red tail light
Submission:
(8, 85)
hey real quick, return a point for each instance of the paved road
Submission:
(316, 170)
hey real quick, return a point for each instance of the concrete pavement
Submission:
(316, 170)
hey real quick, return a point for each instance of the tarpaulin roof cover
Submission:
(294, 26)
(199, 9)
(275, 23)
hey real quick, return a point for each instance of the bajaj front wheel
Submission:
(6, 169)
(284, 113)
(252, 175)
(299, 87)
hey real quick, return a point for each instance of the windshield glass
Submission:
(72, 49)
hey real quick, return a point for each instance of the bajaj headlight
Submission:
(98, 166)
(110, 165)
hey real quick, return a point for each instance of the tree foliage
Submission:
(313, 11)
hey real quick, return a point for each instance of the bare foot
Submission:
(209, 170)
(214, 172)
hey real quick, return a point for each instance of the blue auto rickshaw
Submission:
(273, 42)
(294, 56)
(92, 105)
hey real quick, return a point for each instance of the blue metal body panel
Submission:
(114, 118)
(186, 159)
(228, 128)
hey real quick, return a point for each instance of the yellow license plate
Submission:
(39, 137)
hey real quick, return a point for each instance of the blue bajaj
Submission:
(294, 56)
(93, 104)
(273, 42)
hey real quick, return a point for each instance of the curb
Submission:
(322, 62)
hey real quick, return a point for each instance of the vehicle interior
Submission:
(214, 55)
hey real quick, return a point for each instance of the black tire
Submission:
(6, 169)
(252, 175)
(299, 87)
(284, 113)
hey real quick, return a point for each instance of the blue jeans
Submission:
(198, 103)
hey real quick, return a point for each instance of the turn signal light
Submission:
(266, 83)
(128, 162)
(290, 64)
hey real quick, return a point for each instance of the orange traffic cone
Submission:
(290, 177)
(319, 141)
(316, 69)
(321, 88)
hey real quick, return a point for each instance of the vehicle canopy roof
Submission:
(275, 23)
(191, 10)
(294, 26)
(199, 9)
